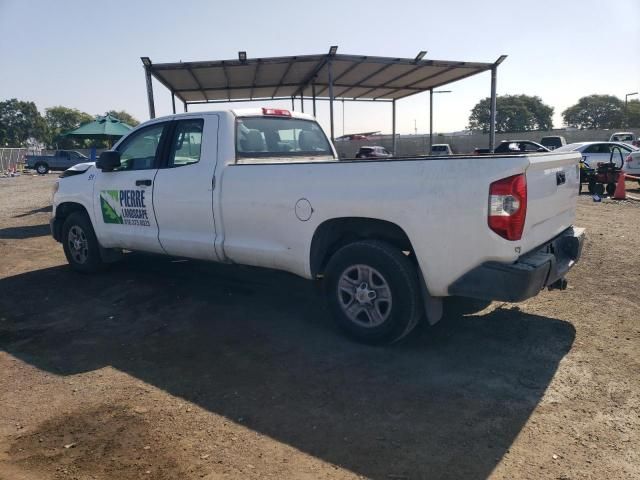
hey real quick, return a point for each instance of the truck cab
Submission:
(387, 236)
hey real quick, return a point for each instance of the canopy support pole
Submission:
(430, 120)
(293, 104)
(302, 101)
(173, 102)
(313, 93)
(393, 125)
(492, 119)
(343, 117)
(186, 109)
(152, 108)
(330, 69)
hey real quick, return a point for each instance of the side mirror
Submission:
(107, 161)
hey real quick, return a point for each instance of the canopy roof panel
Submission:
(354, 77)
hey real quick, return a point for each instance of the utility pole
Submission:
(626, 100)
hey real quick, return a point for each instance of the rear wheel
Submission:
(373, 291)
(592, 186)
(611, 188)
(80, 244)
(42, 168)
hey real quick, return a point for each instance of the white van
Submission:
(440, 149)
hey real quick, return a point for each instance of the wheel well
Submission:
(333, 234)
(62, 212)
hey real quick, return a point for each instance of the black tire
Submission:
(598, 189)
(458, 306)
(42, 168)
(611, 189)
(390, 267)
(85, 255)
(592, 186)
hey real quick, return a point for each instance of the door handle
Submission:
(146, 183)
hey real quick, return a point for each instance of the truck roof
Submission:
(241, 112)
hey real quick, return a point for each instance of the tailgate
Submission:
(552, 195)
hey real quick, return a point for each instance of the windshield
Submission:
(622, 138)
(280, 137)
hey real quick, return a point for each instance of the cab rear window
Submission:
(264, 137)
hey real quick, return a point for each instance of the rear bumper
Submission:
(525, 278)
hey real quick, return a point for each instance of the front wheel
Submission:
(373, 291)
(42, 168)
(80, 244)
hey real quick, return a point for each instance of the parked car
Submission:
(513, 147)
(60, 160)
(632, 164)
(390, 238)
(597, 152)
(625, 137)
(373, 152)
(441, 149)
(553, 141)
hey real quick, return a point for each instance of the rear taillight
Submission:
(508, 206)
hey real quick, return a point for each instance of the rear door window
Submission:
(269, 137)
(186, 144)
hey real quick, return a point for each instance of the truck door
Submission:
(184, 188)
(123, 198)
(60, 160)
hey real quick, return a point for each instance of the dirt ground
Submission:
(168, 369)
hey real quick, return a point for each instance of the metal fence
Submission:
(13, 159)
(419, 144)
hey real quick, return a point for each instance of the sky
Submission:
(86, 54)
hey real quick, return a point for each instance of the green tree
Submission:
(633, 113)
(124, 117)
(19, 122)
(514, 113)
(595, 111)
(60, 120)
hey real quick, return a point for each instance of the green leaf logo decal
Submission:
(110, 205)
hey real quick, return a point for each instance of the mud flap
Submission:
(432, 305)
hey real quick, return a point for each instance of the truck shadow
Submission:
(35, 211)
(26, 231)
(257, 347)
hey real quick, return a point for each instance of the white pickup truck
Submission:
(390, 238)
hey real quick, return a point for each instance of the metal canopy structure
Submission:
(327, 77)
